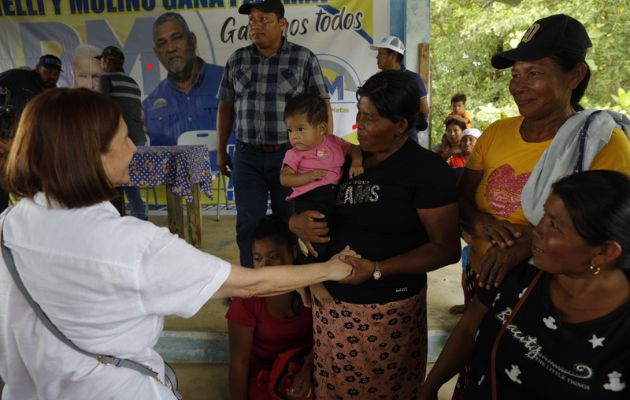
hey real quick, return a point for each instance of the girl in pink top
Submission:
(313, 166)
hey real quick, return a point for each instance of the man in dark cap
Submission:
(257, 83)
(17, 87)
(124, 90)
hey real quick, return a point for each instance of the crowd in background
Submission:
(542, 199)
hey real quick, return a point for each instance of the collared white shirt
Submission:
(106, 282)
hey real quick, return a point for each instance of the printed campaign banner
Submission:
(338, 32)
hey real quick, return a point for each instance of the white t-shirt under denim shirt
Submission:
(106, 282)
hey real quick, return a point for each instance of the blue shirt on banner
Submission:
(169, 112)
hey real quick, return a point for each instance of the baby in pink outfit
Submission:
(313, 167)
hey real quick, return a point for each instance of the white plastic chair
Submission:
(209, 139)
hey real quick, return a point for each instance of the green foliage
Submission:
(622, 101)
(466, 33)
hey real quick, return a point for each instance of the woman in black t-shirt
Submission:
(401, 216)
(566, 318)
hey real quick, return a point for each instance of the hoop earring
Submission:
(594, 269)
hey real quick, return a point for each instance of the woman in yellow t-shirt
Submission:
(516, 160)
(549, 77)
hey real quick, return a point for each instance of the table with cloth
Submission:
(185, 171)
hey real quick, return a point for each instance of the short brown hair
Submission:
(58, 145)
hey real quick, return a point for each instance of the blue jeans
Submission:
(256, 177)
(136, 205)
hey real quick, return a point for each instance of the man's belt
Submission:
(267, 148)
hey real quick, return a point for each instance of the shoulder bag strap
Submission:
(579, 165)
(101, 358)
(495, 345)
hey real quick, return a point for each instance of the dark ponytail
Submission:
(568, 61)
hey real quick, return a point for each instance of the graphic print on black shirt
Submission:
(358, 192)
(376, 214)
(540, 356)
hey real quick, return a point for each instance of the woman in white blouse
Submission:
(104, 281)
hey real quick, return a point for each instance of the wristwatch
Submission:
(377, 272)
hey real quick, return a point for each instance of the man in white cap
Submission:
(391, 51)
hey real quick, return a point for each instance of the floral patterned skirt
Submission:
(370, 351)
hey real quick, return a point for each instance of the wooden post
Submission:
(194, 217)
(175, 213)
(425, 73)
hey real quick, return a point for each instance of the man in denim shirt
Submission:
(257, 82)
(185, 100)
